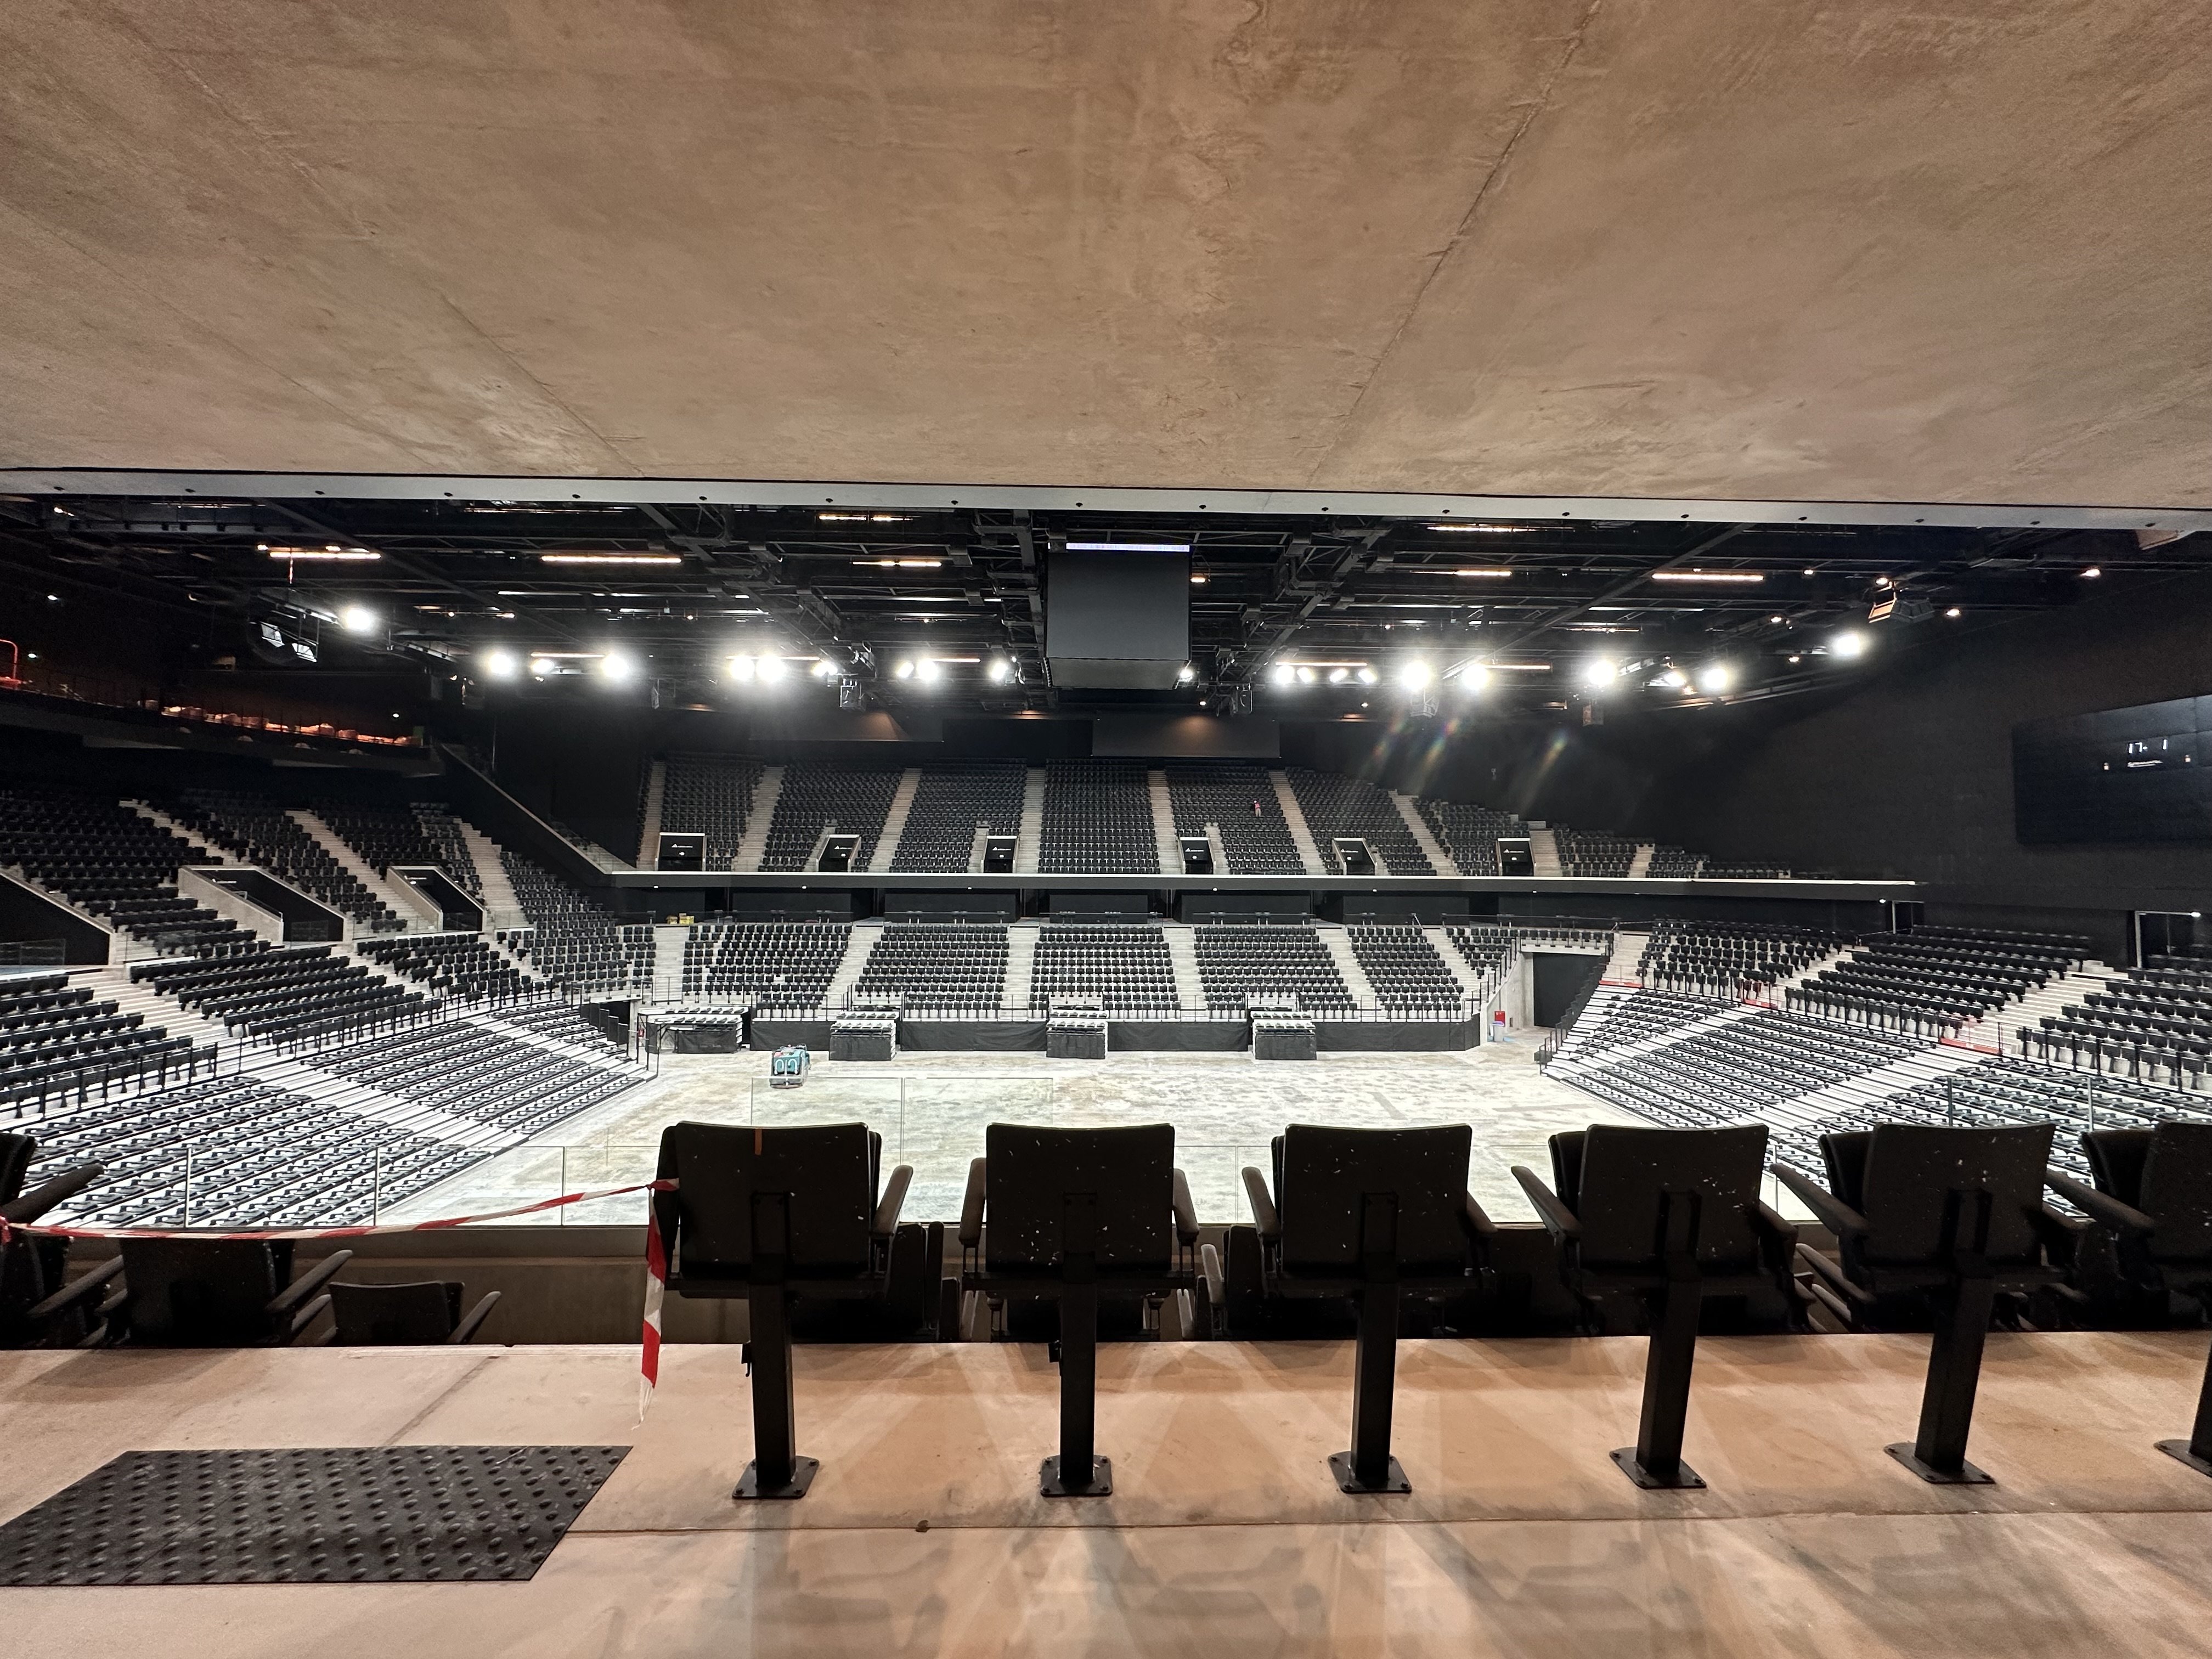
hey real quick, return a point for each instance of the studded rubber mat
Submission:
(307, 1516)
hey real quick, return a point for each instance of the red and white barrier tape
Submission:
(656, 1252)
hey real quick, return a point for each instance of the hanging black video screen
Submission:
(2121, 774)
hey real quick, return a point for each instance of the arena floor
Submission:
(1224, 1535)
(931, 1110)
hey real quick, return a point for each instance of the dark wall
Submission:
(1914, 772)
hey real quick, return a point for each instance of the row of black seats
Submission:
(109, 859)
(465, 965)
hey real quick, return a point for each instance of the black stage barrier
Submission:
(771, 1033)
(983, 1037)
(1399, 1036)
(1178, 1035)
(703, 1039)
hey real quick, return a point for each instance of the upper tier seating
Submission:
(55, 1041)
(1588, 852)
(1334, 804)
(260, 832)
(1936, 978)
(1674, 862)
(779, 964)
(936, 966)
(289, 994)
(851, 800)
(443, 831)
(1716, 869)
(1469, 834)
(1405, 969)
(571, 940)
(1238, 798)
(382, 836)
(464, 965)
(108, 860)
(1125, 968)
(1097, 817)
(1718, 958)
(712, 795)
(236, 1151)
(1236, 963)
(951, 804)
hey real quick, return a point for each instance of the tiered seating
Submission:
(1715, 870)
(2158, 1019)
(1097, 819)
(779, 964)
(110, 861)
(1936, 978)
(1469, 834)
(382, 836)
(1588, 852)
(1238, 798)
(1486, 949)
(467, 1071)
(464, 965)
(2023, 1091)
(1674, 862)
(711, 795)
(55, 1040)
(1405, 969)
(1236, 963)
(443, 831)
(259, 831)
(1717, 958)
(851, 800)
(284, 995)
(1126, 969)
(954, 966)
(571, 940)
(561, 1022)
(951, 803)
(1334, 804)
(235, 1152)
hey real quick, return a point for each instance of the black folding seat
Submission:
(1932, 1222)
(768, 1215)
(1670, 1216)
(217, 1293)
(2153, 1190)
(36, 1306)
(405, 1316)
(1369, 1216)
(1066, 1216)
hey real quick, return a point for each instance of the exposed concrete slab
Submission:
(1681, 250)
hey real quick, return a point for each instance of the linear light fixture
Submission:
(1483, 528)
(1128, 547)
(611, 558)
(1707, 576)
(900, 564)
(333, 552)
(1483, 570)
(865, 518)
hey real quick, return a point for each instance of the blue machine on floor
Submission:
(786, 1068)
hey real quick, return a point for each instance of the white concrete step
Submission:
(1577, 1057)
(1182, 957)
(1470, 982)
(406, 907)
(668, 962)
(648, 838)
(1628, 949)
(1164, 823)
(209, 855)
(501, 908)
(1431, 850)
(1028, 840)
(1821, 1106)
(1338, 944)
(902, 808)
(1544, 853)
(1021, 964)
(754, 847)
(1640, 865)
(1994, 1030)
(858, 949)
(1301, 832)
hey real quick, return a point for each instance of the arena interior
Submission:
(1283, 832)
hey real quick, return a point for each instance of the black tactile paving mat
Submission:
(307, 1516)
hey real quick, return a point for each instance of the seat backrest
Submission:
(395, 1315)
(1912, 1171)
(1047, 1187)
(1327, 1180)
(2177, 1191)
(2115, 1162)
(16, 1154)
(827, 1170)
(1625, 1174)
(202, 1293)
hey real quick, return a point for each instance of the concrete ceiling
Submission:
(1949, 252)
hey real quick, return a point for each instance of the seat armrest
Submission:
(307, 1316)
(1558, 1220)
(2098, 1206)
(1185, 1213)
(893, 1200)
(1264, 1213)
(69, 1295)
(307, 1283)
(1216, 1284)
(26, 1207)
(971, 1206)
(1475, 1219)
(475, 1316)
(1837, 1216)
(1770, 1221)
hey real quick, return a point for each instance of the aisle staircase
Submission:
(902, 808)
(1021, 964)
(1338, 944)
(405, 906)
(1164, 823)
(1424, 838)
(1029, 839)
(754, 846)
(1543, 852)
(1301, 831)
(501, 908)
(859, 947)
(1183, 958)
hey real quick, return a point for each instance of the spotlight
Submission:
(1000, 668)
(542, 666)
(1282, 673)
(1674, 679)
(1366, 677)
(1847, 645)
(1472, 678)
(903, 672)
(772, 669)
(1305, 676)
(2093, 571)
(1339, 676)
(930, 669)
(497, 663)
(742, 668)
(1414, 676)
(823, 668)
(1715, 678)
(1951, 612)
(617, 665)
(1599, 672)
(1186, 674)
(359, 619)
